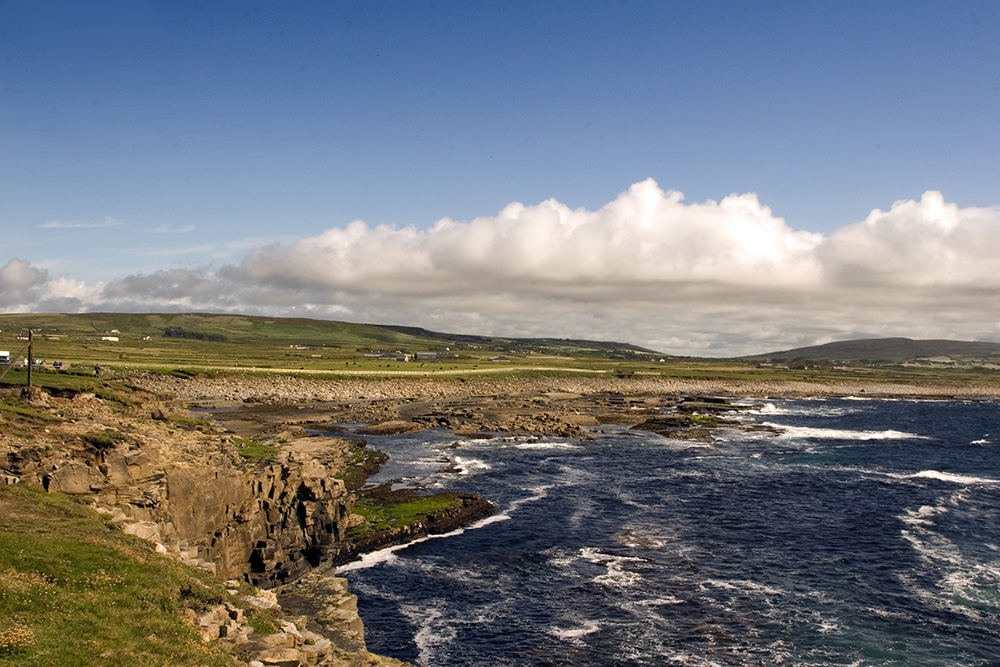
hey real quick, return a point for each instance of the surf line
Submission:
(388, 554)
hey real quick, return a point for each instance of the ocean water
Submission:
(866, 533)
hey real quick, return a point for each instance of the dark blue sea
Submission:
(867, 532)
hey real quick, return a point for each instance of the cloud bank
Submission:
(716, 278)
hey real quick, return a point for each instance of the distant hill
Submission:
(575, 346)
(888, 351)
(246, 329)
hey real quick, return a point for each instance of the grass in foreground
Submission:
(74, 590)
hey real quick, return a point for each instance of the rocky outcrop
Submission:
(241, 509)
(468, 508)
(189, 489)
(268, 523)
(330, 634)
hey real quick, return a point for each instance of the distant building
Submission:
(110, 339)
(395, 356)
(4, 357)
(424, 356)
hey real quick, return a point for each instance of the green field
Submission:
(238, 343)
(234, 341)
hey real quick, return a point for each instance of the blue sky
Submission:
(143, 137)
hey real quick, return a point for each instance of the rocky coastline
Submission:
(255, 478)
(247, 512)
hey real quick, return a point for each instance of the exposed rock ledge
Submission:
(184, 485)
(470, 508)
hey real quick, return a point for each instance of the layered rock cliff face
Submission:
(184, 485)
(260, 513)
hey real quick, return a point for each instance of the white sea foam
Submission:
(965, 585)
(742, 585)
(770, 409)
(981, 441)
(546, 445)
(573, 634)
(955, 478)
(615, 576)
(537, 493)
(922, 516)
(641, 536)
(562, 560)
(433, 630)
(808, 432)
(827, 627)
(661, 601)
(387, 555)
(950, 477)
(469, 466)
(431, 461)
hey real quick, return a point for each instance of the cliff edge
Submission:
(243, 511)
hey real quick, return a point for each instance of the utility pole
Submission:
(31, 359)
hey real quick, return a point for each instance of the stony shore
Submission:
(285, 389)
(559, 405)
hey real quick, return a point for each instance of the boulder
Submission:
(75, 477)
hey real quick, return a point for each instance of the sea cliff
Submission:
(241, 510)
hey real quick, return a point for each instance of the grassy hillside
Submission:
(550, 345)
(76, 591)
(235, 328)
(890, 351)
(221, 343)
(218, 342)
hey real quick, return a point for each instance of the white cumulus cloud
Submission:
(717, 277)
(18, 274)
(918, 244)
(646, 237)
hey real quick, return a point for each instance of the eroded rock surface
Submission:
(263, 513)
(188, 488)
